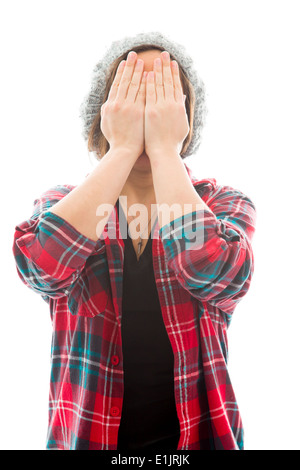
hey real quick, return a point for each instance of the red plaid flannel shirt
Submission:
(81, 280)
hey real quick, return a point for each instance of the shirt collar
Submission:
(195, 181)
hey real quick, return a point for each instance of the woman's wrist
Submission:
(126, 152)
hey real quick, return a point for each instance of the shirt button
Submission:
(114, 411)
(115, 360)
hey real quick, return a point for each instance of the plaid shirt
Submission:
(198, 289)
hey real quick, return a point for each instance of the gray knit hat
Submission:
(94, 99)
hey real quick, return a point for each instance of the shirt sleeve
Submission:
(219, 265)
(50, 253)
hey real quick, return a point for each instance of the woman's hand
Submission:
(122, 115)
(166, 121)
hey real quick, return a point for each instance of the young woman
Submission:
(141, 300)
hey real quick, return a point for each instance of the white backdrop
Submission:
(247, 53)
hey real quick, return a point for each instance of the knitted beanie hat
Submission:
(94, 99)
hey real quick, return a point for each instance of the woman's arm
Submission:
(52, 246)
(219, 266)
(103, 186)
(122, 123)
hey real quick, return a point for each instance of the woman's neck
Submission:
(139, 188)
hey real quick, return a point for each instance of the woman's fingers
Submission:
(116, 83)
(141, 95)
(135, 81)
(167, 76)
(159, 79)
(179, 96)
(151, 89)
(126, 76)
(130, 81)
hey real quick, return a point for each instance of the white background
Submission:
(247, 53)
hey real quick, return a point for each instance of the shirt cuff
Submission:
(198, 231)
(55, 245)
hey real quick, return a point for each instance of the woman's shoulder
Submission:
(57, 190)
(213, 190)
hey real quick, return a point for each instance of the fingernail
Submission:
(132, 55)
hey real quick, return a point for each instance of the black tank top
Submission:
(149, 419)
